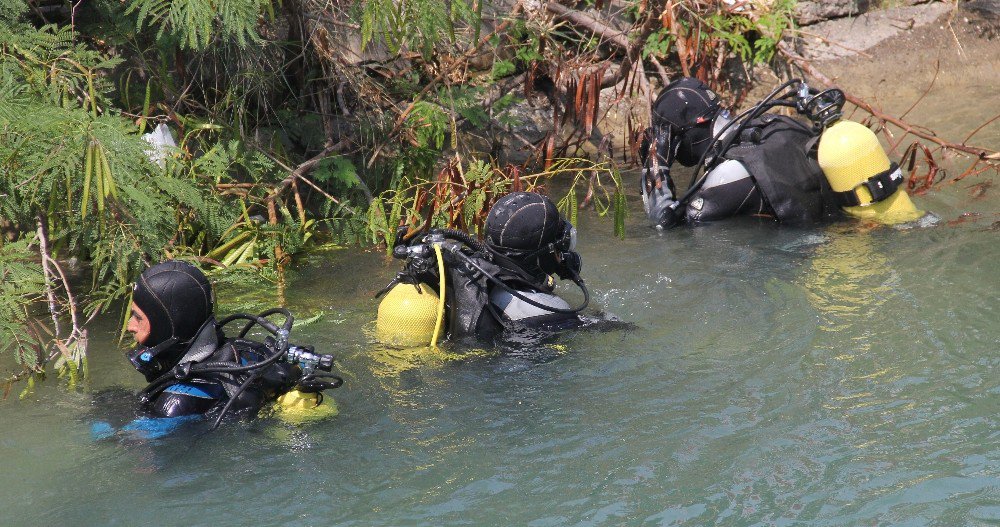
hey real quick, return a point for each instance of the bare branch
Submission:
(981, 153)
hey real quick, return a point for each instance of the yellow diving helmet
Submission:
(867, 184)
(407, 315)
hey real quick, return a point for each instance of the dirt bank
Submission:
(951, 55)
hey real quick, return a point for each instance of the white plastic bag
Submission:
(163, 142)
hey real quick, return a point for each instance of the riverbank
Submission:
(947, 59)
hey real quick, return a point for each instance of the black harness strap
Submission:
(880, 186)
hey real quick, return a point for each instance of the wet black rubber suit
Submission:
(506, 280)
(766, 166)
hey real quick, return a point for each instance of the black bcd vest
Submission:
(778, 153)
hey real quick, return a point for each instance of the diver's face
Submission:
(138, 325)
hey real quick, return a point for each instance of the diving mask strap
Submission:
(880, 186)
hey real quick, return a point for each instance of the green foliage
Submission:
(61, 157)
(195, 24)
(337, 168)
(754, 39)
(751, 31)
(430, 123)
(21, 285)
(658, 44)
(528, 43)
(68, 155)
(503, 68)
(418, 25)
(771, 25)
(598, 177)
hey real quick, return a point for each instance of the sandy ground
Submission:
(947, 59)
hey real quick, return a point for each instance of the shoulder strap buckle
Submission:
(880, 186)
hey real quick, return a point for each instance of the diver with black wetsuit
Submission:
(756, 164)
(193, 368)
(503, 281)
(765, 164)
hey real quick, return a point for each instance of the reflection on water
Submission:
(848, 281)
(772, 376)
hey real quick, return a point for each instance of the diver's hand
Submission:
(670, 217)
(658, 198)
(662, 210)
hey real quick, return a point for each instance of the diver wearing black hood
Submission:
(754, 164)
(175, 299)
(193, 368)
(507, 279)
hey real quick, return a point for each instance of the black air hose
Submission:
(463, 237)
(239, 391)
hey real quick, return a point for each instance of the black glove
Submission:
(671, 217)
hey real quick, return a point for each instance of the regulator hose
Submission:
(441, 290)
(463, 237)
(229, 403)
(575, 277)
(261, 320)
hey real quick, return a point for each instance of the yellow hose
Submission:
(440, 314)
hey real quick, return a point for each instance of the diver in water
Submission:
(505, 281)
(765, 164)
(193, 368)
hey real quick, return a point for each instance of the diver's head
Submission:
(526, 228)
(171, 301)
(685, 110)
(175, 298)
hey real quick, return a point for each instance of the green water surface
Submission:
(835, 375)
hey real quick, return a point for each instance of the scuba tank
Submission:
(411, 314)
(407, 315)
(867, 185)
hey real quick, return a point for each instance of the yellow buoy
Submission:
(297, 407)
(850, 154)
(407, 315)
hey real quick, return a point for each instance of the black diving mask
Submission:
(566, 262)
(567, 238)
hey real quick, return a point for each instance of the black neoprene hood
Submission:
(176, 298)
(522, 221)
(684, 103)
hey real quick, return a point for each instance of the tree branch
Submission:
(982, 153)
(608, 34)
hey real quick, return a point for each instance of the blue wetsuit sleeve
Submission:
(141, 428)
(178, 404)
